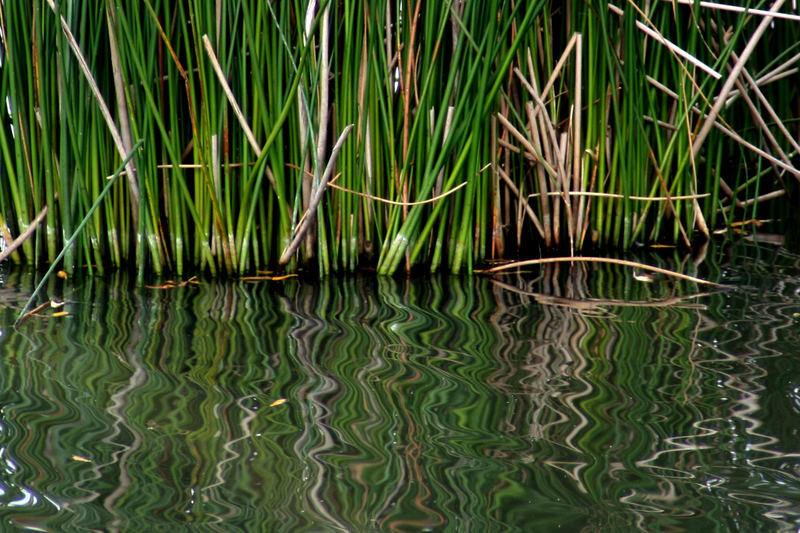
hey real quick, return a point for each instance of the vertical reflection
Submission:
(578, 398)
(310, 309)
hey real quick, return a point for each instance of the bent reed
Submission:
(398, 134)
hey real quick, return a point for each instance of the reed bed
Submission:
(397, 134)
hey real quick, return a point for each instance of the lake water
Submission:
(558, 399)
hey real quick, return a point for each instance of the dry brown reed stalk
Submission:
(755, 86)
(583, 304)
(622, 196)
(778, 73)
(133, 186)
(332, 184)
(714, 118)
(316, 197)
(122, 106)
(24, 236)
(738, 9)
(521, 202)
(556, 154)
(782, 163)
(719, 102)
(609, 260)
(724, 128)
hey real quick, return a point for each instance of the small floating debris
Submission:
(38, 311)
(174, 284)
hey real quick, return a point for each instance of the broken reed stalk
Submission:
(583, 304)
(608, 260)
(436, 198)
(756, 88)
(122, 108)
(24, 236)
(719, 125)
(739, 9)
(731, 80)
(316, 197)
(133, 186)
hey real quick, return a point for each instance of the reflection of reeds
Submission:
(479, 129)
(409, 403)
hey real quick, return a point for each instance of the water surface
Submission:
(555, 399)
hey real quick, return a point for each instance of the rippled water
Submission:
(559, 399)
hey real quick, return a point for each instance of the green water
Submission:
(556, 400)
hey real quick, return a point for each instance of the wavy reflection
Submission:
(573, 399)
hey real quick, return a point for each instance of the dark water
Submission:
(558, 400)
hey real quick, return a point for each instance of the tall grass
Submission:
(480, 130)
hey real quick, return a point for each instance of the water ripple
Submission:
(577, 400)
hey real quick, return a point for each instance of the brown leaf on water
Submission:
(37, 311)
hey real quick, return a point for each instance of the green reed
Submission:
(480, 130)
